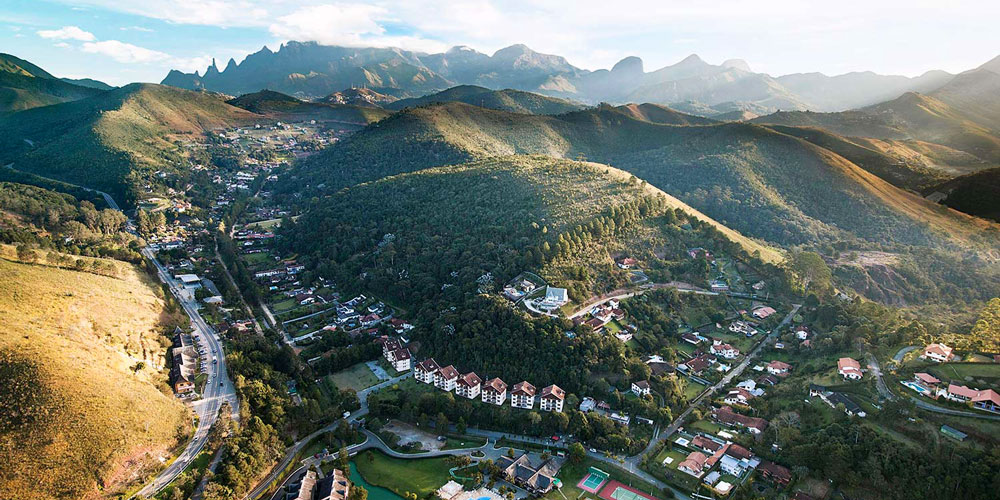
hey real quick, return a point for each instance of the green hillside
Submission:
(515, 101)
(24, 86)
(79, 354)
(977, 194)
(269, 102)
(115, 139)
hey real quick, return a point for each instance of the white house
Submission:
(552, 398)
(779, 368)
(446, 378)
(522, 396)
(425, 370)
(494, 392)
(469, 385)
(554, 298)
(725, 350)
(640, 388)
(849, 368)
(739, 396)
(939, 353)
(399, 359)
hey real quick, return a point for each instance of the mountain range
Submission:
(311, 70)
(24, 85)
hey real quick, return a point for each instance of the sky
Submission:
(122, 41)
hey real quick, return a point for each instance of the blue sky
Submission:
(121, 41)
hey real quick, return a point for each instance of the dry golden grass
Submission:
(86, 424)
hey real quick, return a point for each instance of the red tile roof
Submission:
(495, 385)
(553, 392)
(523, 388)
(449, 372)
(470, 379)
(428, 365)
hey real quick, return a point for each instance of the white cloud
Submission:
(330, 24)
(63, 45)
(125, 52)
(136, 28)
(68, 33)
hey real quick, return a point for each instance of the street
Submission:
(218, 387)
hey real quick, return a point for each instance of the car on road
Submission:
(222, 383)
(555, 439)
(592, 450)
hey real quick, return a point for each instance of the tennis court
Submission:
(593, 481)
(618, 491)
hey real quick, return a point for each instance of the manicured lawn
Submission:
(356, 377)
(454, 443)
(613, 327)
(258, 259)
(692, 389)
(989, 372)
(420, 476)
(704, 426)
(285, 305)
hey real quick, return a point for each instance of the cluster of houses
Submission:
(516, 291)
(726, 416)
(712, 457)
(184, 362)
(605, 313)
(284, 270)
(553, 299)
(703, 358)
(494, 391)
(932, 387)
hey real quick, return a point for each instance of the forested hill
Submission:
(442, 237)
(516, 101)
(110, 141)
(758, 181)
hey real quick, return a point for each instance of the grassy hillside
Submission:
(977, 194)
(656, 113)
(70, 426)
(24, 85)
(269, 102)
(113, 140)
(515, 101)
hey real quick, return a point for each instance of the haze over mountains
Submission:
(313, 70)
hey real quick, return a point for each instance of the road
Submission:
(218, 387)
(232, 282)
(624, 293)
(265, 484)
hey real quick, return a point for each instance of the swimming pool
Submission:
(917, 387)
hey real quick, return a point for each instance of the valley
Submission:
(367, 271)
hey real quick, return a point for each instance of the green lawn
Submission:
(285, 305)
(256, 259)
(455, 443)
(613, 327)
(705, 426)
(989, 372)
(692, 389)
(356, 377)
(421, 476)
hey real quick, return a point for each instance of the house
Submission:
(520, 471)
(627, 263)
(640, 388)
(960, 393)
(926, 379)
(718, 285)
(769, 379)
(696, 365)
(659, 368)
(834, 398)
(691, 338)
(725, 350)
(425, 370)
(953, 433)
(728, 417)
(446, 378)
(739, 396)
(802, 334)
(552, 398)
(370, 320)
(399, 359)
(706, 444)
(742, 327)
(400, 326)
(763, 312)
(335, 486)
(737, 459)
(522, 395)
(554, 298)
(849, 368)
(469, 386)
(775, 473)
(693, 464)
(494, 392)
(987, 400)
(778, 368)
(939, 353)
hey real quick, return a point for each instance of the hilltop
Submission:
(359, 96)
(515, 101)
(80, 353)
(24, 85)
(278, 105)
(114, 139)
(977, 193)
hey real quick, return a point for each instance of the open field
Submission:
(356, 377)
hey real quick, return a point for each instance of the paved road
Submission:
(898, 358)
(875, 369)
(624, 293)
(218, 387)
(265, 484)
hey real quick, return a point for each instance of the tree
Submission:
(441, 424)
(26, 254)
(577, 453)
(344, 461)
(460, 427)
(357, 493)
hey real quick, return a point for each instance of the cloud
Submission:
(136, 28)
(68, 33)
(63, 45)
(125, 52)
(330, 24)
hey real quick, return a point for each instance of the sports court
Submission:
(618, 491)
(593, 480)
